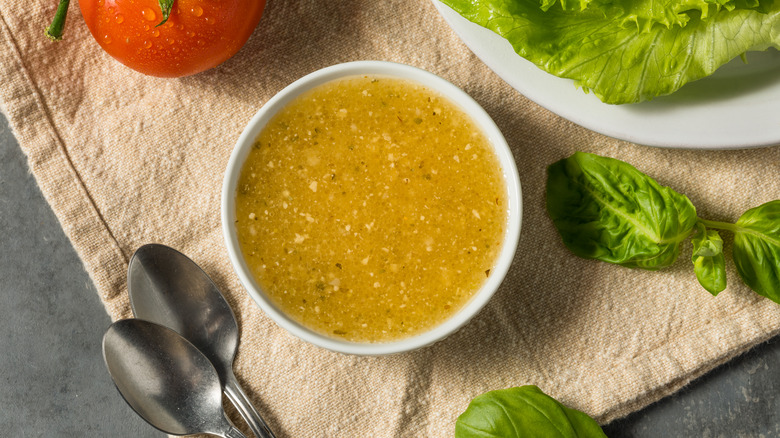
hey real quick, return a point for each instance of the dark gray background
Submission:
(53, 381)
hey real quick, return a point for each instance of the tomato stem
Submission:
(165, 8)
(54, 31)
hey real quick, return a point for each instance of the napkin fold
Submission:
(126, 159)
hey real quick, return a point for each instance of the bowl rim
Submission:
(402, 71)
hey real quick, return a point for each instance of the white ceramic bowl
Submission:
(467, 104)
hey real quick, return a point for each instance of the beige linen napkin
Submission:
(126, 159)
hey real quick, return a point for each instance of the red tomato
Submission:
(199, 34)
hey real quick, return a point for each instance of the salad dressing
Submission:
(371, 209)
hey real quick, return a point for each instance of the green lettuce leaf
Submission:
(643, 14)
(628, 51)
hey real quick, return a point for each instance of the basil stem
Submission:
(715, 225)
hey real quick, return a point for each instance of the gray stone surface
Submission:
(739, 399)
(53, 382)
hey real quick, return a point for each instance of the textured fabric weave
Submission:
(126, 159)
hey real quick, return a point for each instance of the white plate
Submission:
(737, 107)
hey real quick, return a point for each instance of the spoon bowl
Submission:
(165, 379)
(168, 288)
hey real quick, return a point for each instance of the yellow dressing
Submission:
(371, 209)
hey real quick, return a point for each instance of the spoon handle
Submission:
(233, 433)
(240, 400)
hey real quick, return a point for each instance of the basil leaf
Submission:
(522, 412)
(709, 264)
(757, 249)
(606, 209)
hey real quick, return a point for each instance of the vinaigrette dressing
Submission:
(371, 209)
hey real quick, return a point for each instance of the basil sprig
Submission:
(606, 209)
(523, 412)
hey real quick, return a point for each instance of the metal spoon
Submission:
(168, 288)
(165, 379)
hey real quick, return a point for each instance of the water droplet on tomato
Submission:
(147, 44)
(106, 39)
(119, 19)
(180, 26)
(210, 20)
(174, 49)
(170, 40)
(107, 19)
(100, 3)
(148, 14)
(196, 11)
(201, 42)
(190, 33)
(155, 33)
(146, 27)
